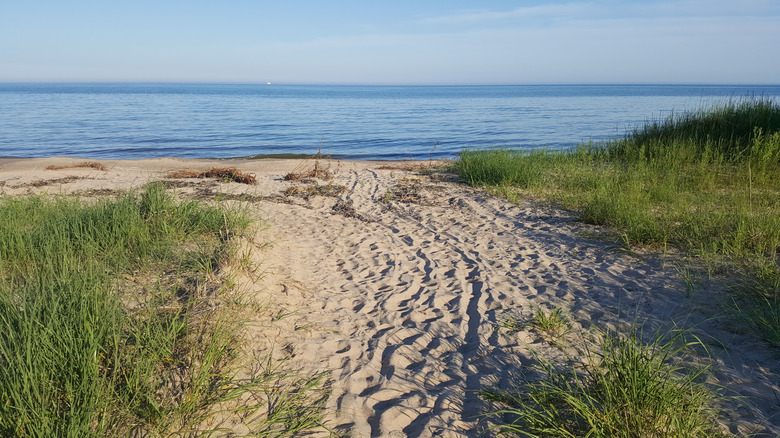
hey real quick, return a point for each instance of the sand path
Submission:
(402, 298)
(404, 306)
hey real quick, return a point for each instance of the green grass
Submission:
(706, 183)
(726, 131)
(554, 323)
(628, 388)
(111, 321)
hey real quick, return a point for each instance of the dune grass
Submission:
(723, 132)
(626, 388)
(111, 323)
(706, 183)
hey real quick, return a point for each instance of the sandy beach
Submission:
(396, 280)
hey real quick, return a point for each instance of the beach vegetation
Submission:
(511, 324)
(705, 183)
(553, 323)
(113, 323)
(624, 387)
(223, 174)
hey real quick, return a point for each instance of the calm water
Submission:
(380, 122)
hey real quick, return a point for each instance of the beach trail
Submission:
(400, 283)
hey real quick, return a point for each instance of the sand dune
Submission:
(398, 285)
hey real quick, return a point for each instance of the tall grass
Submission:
(706, 182)
(104, 327)
(728, 132)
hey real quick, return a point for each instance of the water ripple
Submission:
(380, 122)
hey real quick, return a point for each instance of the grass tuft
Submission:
(625, 389)
(554, 323)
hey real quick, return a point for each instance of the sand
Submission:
(398, 285)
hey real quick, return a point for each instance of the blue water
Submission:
(366, 122)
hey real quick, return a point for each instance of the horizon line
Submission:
(475, 84)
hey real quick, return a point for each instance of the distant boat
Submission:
(268, 83)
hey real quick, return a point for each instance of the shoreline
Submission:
(254, 158)
(397, 283)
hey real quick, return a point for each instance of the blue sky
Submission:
(392, 42)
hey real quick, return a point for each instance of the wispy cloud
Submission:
(699, 8)
(612, 9)
(543, 11)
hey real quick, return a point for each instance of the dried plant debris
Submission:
(331, 190)
(225, 174)
(412, 190)
(207, 190)
(97, 192)
(414, 165)
(320, 171)
(187, 173)
(189, 184)
(49, 182)
(87, 164)
(241, 197)
(208, 193)
(443, 177)
(346, 208)
(407, 190)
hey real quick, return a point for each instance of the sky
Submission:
(391, 42)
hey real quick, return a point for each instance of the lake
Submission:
(350, 122)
